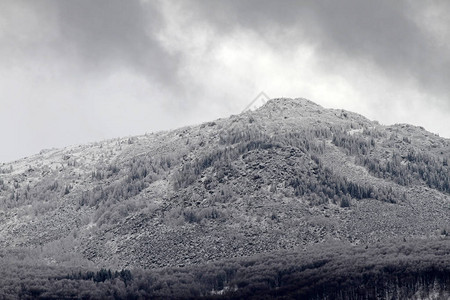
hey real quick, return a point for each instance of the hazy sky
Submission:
(78, 71)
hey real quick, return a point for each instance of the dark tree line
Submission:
(395, 270)
(101, 275)
(353, 144)
(326, 186)
(407, 168)
(319, 184)
(126, 181)
(190, 171)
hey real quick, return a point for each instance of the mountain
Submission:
(285, 177)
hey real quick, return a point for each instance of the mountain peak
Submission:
(229, 187)
(288, 107)
(301, 112)
(291, 102)
(287, 177)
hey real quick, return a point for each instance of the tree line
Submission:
(406, 168)
(390, 270)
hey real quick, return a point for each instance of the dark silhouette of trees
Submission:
(395, 270)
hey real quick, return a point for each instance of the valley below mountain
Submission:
(291, 183)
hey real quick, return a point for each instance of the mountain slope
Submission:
(286, 176)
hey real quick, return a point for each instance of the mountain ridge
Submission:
(288, 175)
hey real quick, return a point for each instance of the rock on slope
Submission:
(288, 175)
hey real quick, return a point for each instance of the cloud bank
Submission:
(79, 71)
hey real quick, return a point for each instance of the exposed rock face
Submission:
(287, 175)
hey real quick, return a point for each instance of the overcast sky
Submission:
(78, 71)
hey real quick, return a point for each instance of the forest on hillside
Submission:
(407, 165)
(111, 188)
(398, 270)
(244, 155)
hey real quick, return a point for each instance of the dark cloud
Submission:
(384, 32)
(103, 63)
(102, 34)
(96, 36)
(114, 31)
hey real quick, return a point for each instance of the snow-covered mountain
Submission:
(288, 175)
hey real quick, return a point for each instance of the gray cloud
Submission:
(114, 31)
(386, 33)
(104, 34)
(94, 36)
(78, 71)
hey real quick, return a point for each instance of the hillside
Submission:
(284, 177)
